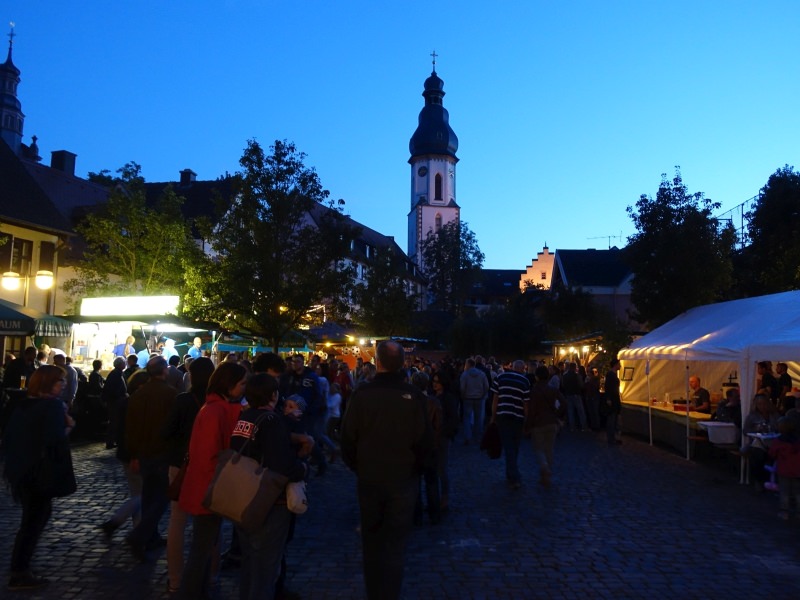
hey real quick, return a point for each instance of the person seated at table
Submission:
(763, 418)
(699, 398)
(729, 410)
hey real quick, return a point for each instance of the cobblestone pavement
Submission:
(632, 521)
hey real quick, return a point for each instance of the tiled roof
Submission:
(592, 268)
(22, 199)
(498, 282)
(66, 191)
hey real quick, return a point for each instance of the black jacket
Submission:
(385, 433)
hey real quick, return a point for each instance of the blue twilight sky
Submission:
(565, 111)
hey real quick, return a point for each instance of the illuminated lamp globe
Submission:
(10, 280)
(44, 280)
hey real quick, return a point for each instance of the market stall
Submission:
(720, 343)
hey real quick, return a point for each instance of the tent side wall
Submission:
(668, 376)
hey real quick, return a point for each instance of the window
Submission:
(21, 254)
(437, 193)
(437, 222)
(544, 274)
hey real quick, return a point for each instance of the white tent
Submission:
(717, 342)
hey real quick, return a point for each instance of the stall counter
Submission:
(669, 426)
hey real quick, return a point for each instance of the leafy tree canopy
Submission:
(451, 261)
(774, 229)
(279, 248)
(132, 249)
(385, 302)
(680, 255)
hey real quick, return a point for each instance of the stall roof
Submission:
(763, 328)
(24, 320)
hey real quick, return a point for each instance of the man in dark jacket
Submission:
(385, 438)
(114, 392)
(148, 410)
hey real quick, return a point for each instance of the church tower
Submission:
(11, 117)
(433, 169)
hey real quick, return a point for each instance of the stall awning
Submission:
(23, 320)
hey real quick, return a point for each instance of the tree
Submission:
(385, 303)
(277, 250)
(680, 255)
(452, 261)
(132, 249)
(774, 229)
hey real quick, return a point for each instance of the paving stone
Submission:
(627, 522)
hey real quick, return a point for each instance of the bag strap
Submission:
(256, 424)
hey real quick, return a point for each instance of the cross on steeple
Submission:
(434, 55)
(11, 35)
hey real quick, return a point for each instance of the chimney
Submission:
(63, 160)
(187, 177)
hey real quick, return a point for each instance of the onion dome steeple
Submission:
(11, 117)
(434, 134)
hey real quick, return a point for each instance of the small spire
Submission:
(433, 54)
(11, 36)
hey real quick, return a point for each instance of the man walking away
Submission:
(474, 387)
(511, 391)
(385, 439)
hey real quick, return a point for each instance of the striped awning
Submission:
(23, 320)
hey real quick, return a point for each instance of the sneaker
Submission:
(25, 581)
(109, 527)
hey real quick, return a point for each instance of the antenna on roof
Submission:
(608, 237)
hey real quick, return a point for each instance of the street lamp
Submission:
(12, 280)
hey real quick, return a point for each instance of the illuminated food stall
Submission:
(106, 323)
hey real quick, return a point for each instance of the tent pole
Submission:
(649, 402)
(688, 441)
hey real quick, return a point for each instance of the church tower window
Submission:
(437, 195)
(437, 222)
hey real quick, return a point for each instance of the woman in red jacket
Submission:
(211, 435)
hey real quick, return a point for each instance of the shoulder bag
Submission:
(242, 489)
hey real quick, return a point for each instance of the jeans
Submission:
(575, 412)
(36, 511)
(544, 440)
(155, 481)
(473, 419)
(433, 500)
(262, 551)
(175, 538)
(510, 436)
(387, 515)
(443, 464)
(611, 427)
(197, 571)
(309, 425)
(132, 507)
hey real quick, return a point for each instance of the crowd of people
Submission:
(393, 423)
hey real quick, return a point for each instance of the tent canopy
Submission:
(23, 320)
(719, 340)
